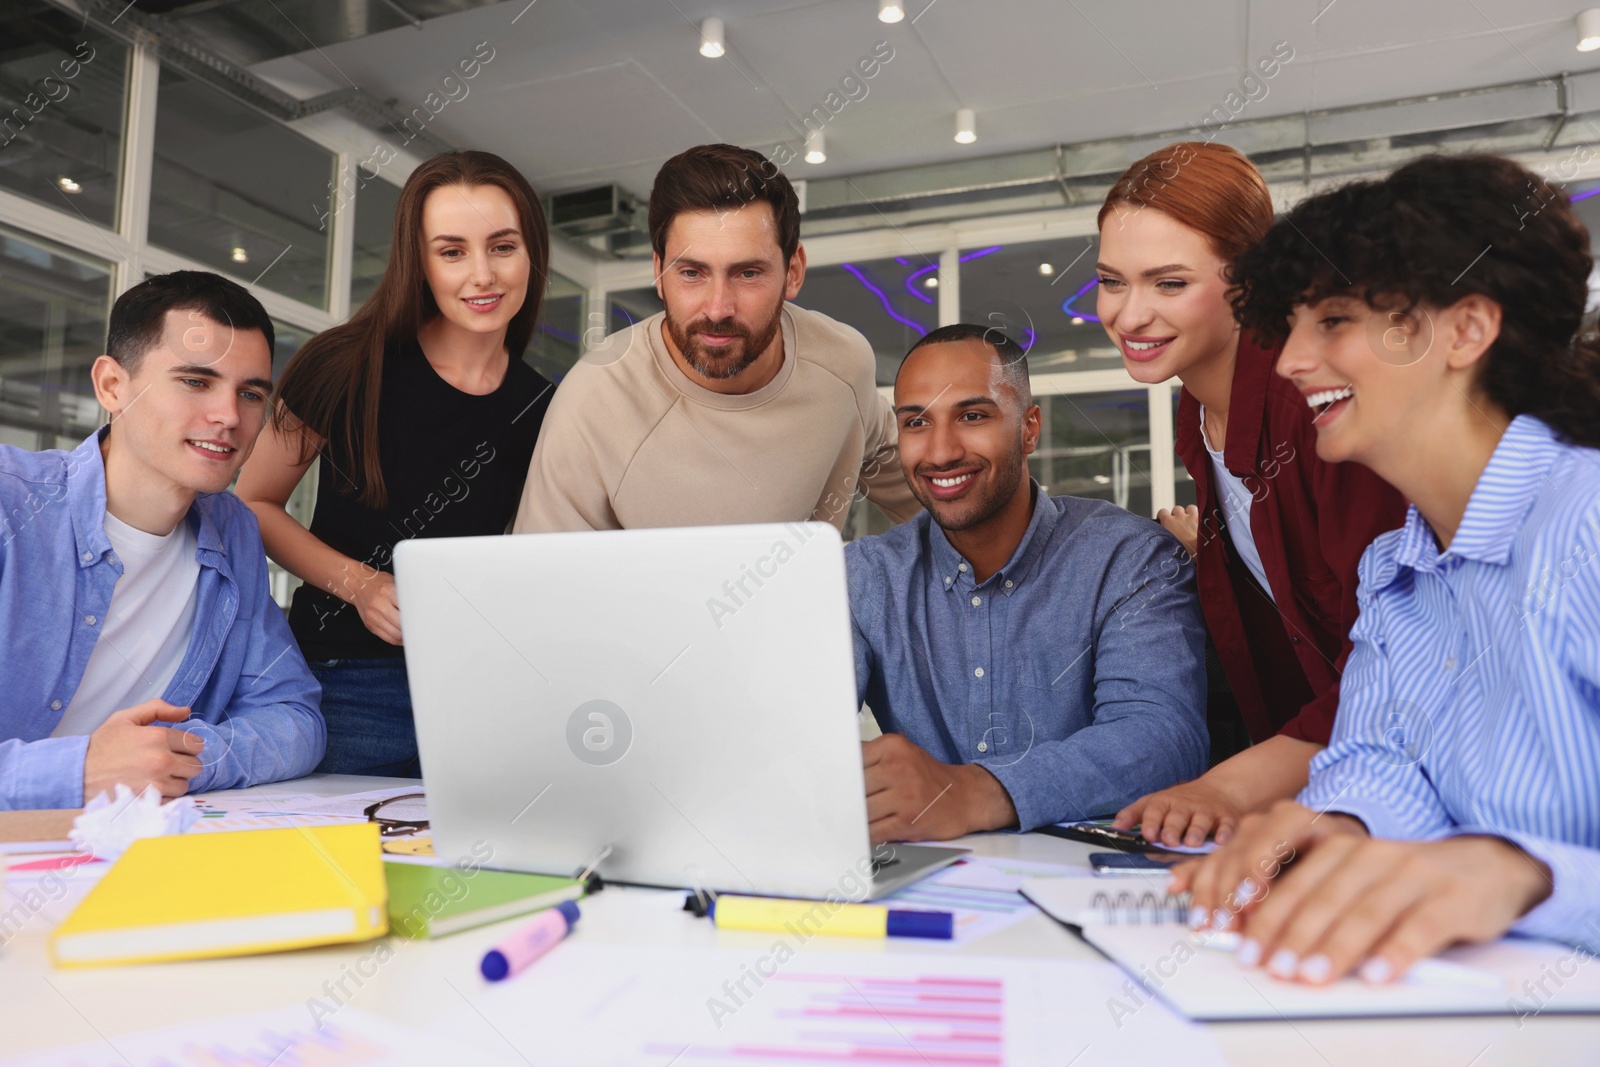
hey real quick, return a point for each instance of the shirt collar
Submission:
(948, 563)
(1499, 502)
(86, 499)
(1253, 369)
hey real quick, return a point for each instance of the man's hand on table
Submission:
(913, 797)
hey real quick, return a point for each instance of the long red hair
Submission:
(1211, 188)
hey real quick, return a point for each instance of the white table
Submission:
(41, 1007)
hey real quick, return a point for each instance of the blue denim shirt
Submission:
(254, 701)
(1075, 674)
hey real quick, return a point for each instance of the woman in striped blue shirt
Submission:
(1433, 321)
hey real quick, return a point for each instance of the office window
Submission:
(1042, 294)
(891, 301)
(240, 193)
(628, 306)
(376, 200)
(289, 339)
(558, 339)
(1096, 445)
(62, 103)
(53, 309)
(1183, 485)
(303, 500)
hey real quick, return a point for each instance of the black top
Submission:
(453, 465)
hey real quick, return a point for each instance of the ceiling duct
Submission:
(599, 211)
(1522, 117)
(215, 41)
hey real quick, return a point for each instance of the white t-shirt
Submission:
(146, 631)
(1235, 502)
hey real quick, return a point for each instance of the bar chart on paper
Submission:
(768, 1000)
(936, 1018)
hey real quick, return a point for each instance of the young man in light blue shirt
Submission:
(1032, 659)
(139, 642)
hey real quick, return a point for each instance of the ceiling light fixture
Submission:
(816, 147)
(712, 39)
(966, 125)
(932, 281)
(1077, 320)
(1046, 269)
(1589, 29)
(890, 11)
(240, 255)
(68, 185)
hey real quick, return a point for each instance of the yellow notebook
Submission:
(193, 896)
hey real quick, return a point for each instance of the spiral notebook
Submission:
(1143, 930)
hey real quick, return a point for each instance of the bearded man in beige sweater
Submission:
(731, 406)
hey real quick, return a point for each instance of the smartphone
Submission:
(1102, 834)
(1131, 862)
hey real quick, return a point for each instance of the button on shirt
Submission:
(1075, 674)
(1471, 704)
(253, 700)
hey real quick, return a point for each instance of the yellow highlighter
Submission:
(807, 917)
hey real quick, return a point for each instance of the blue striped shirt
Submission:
(1471, 703)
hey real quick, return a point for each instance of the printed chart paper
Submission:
(628, 1005)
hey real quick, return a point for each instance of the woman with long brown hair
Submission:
(422, 417)
(1276, 532)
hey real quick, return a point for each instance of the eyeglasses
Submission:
(396, 827)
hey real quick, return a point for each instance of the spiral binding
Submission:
(1151, 907)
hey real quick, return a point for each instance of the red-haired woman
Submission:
(1276, 533)
(423, 417)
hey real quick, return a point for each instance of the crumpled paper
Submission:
(109, 825)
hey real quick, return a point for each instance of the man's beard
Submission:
(729, 361)
(983, 506)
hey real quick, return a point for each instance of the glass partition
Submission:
(628, 306)
(374, 232)
(558, 339)
(1096, 445)
(237, 192)
(62, 103)
(893, 302)
(53, 309)
(1042, 294)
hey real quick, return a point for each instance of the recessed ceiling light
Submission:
(1102, 479)
(890, 11)
(1589, 29)
(240, 255)
(1046, 269)
(816, 147)
(931, 282)
(1077, 320)
(68, 185)
(712, 40)
(966, 126)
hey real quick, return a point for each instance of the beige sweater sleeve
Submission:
(566, 488)
(882, 478)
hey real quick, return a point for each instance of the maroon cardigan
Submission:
(1311, 521)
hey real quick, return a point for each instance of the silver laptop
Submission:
(679, 701)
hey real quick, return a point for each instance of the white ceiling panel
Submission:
(585, 91)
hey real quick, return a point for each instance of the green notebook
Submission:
(429, 901)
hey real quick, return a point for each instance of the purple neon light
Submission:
(882, 296)
(1584, 196)
(1066, 305)
(920, 271)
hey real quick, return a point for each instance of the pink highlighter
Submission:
(513, 955)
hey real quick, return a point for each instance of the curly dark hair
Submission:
(1434, 231)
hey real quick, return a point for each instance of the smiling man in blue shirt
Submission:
(138, 640)
(1031, 659)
